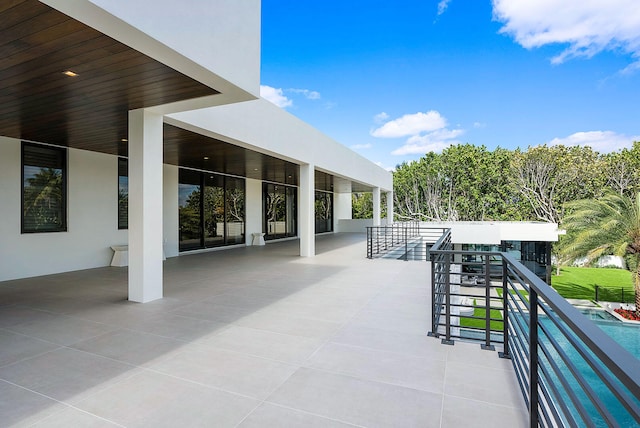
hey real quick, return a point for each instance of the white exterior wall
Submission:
(261, 126)
(493, 233)
(221, 35)
(92, 217)
(253, 208)
(170, 210)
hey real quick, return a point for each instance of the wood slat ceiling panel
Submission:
(90, 111)
(38, 102)
(186, 148)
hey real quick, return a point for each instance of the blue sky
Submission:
(393, 80)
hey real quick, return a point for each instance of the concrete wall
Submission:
(494, 232)
(92, 215)
(253, 208)
(170, 210)
(221, 35)
(261, 126)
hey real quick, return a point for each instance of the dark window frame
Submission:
(123, 167)
(63, 155)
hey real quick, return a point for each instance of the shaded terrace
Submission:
(255, 336)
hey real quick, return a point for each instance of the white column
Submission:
(145, 206)
(389, 208)
(342, 209)
(306, 211)
(376, 206)
(253, 209)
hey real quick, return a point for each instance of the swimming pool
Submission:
(627, 335)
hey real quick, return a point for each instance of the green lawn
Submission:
(580, 283)
(481, 323)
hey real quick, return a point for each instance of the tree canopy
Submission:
(467, 182)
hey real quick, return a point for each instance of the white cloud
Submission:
(311, 95)
(600, 141)
(362, 146)
(587, 26)
(435, 141)
(275, 95)
(380, 117)
(427, 132)
(479, 125)
(411, 124)
(442, 6)
(388, 168)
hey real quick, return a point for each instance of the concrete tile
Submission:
(213, 312)
(461, 412)
(419, 345)
(382, 366)
(71, 417)
(156, 400)
(270, 415)
(20, 407)
(278, 322)
(357, 401)
(15, 347)
(15, 314)
(396, 321)
(178, 327)
(494, 386)
(243, 374)
(60, 329)
(132, 347)
(66, 374)
(276, 346)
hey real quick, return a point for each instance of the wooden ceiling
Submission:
(38, 102)
(186, 148)
(90, 111)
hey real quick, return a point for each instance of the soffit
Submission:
(39, 103)
(189, 149)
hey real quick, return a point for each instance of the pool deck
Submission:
(249, 337)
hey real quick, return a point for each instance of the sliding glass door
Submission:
(279, 211)
(211, 210)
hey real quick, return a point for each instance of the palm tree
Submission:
(608, 225)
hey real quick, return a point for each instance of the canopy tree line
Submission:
(467, 182)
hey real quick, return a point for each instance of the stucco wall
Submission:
(92, 217)
(274, 131)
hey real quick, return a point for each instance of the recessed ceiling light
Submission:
(206, 158)
(124, 140)
(255, 169)
(70, 73)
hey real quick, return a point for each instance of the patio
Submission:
(248, 337)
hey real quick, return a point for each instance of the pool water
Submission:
(627, 335)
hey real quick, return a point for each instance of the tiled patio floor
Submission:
(250, 337)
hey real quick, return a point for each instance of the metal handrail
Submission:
(404, 240)
(565, 364)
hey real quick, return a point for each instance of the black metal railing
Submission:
(403, 241)
(571, 373)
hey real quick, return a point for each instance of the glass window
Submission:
(123, 193)
(216, 219)
(324, 212)
(234, 210)
(279, 211)
(189, 210)
(44, 189)
(213, 210)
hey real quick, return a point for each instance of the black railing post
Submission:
(596, 290)
(487, 296)
(533, 358)
(505, 313)
(406, 246)
(434, 326)
(447, 299)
